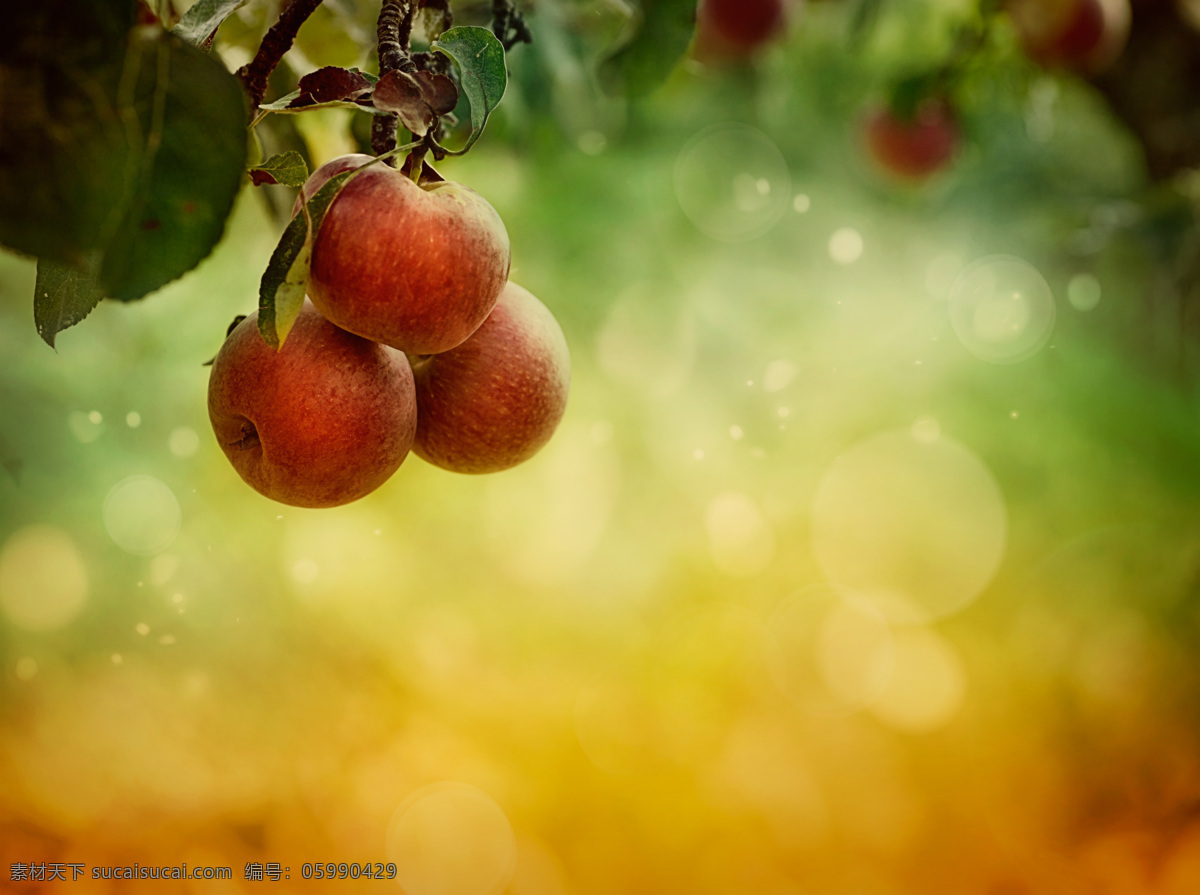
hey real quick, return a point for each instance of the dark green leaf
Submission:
(287, 168)
(62, 296)
(281, 291)
(91, 26)
(482, 73)
(660, 40)
(132, 157)
(203, 18)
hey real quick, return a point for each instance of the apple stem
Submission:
(276, 42)
(394, 32)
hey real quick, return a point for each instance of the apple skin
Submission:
(733, 29)
(321, 422)
(414, 267)
(496, 399)
(913, 150)
(1082, 35)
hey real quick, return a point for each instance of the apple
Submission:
(1083, 35)
(416, 267)
(321, 422)
(730, 29)
(496, 399)
(914, 149)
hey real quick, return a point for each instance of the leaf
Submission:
(296, 102)
(200, 23)
(661, 39)
(400, 93)
(287, 168)
(301, 100)
(130, 155)
(330, 84)
(438, 90)
(281, 291)
(482, 73)
(62, 297)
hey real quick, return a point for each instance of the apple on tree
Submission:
(321, 422)
(1083, 35)
(416, 267)
(912, 148)
(734, 29)
(495, 400)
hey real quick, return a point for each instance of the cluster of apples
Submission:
(412, 338)
(1083, 36)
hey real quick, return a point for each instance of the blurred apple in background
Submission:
(496, 399)
(321, 422)
(734, 29)
(915, 148)
(415, 267)
(1083, 35)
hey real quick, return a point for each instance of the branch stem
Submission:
(509, 25)
(276, 42)
(394, 33)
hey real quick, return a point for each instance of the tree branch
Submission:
(276, 42)
(509, 25)
(394, 32)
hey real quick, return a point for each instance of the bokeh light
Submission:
(927, 685)
(183, 441)
(917, 526)
(832, 650)
(740, 539)
(142, 515)
(732, 182)
(451, 839)
(846, 245)
(43, 579)
(1002, 309)
(1083, 292)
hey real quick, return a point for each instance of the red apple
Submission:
(321, 422)
(912, 149)
(415, 267)
(730, 29)
(1084, 35)
(493, 401)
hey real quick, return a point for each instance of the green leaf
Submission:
(281, 291)
(288, 168)
(482, 72)
(198, 25)
(129, 156)
(62, 296)
(660, 40)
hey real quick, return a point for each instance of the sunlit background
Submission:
(865, 561)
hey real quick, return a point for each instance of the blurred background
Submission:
(866, 560)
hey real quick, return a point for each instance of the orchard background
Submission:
(808, 593)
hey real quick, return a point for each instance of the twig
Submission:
(394, 31)
(276, 42)
(509, 25)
